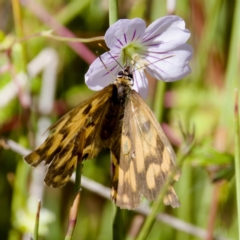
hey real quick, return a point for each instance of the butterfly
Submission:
(116, 118)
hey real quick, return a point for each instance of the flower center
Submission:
(130, 51)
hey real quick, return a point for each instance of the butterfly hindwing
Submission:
(145, 157)
(59, 150)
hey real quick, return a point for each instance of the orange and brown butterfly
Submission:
(116, 118)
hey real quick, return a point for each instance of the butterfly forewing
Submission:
(145, 157)
(60, 148)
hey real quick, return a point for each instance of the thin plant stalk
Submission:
(74, 209)
(79, 163)
(237, 157)
(73, 217)
(37, 221)
(158, 106)
(232, 71)
(118, 224)
(19, 30)
(113, 11)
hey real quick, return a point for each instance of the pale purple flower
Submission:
(160, 49)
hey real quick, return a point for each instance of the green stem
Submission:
(37, 221)
(237, 158)
(77, 184)
(73, 216)
(82, 138)
(19, 30)
(158, 106)
(71, 10)
(233, 69)
(118, 224)
(113, 11)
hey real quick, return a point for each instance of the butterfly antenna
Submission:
(100, 45)
(127, 59)
(110, 72)
(153, 62)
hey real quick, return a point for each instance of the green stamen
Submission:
(131, 50)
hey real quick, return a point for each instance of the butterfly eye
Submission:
(130, 76)
(120, 74)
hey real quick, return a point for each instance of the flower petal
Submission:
(97, 76)
(140, 83)
(166, 33)
(171, 66)
(124, 31)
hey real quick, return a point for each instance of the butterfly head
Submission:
(126, 76)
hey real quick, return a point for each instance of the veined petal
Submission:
(140, 83)
(161, 49)
(125, 31)
(97, 76)
(166, 33)
(173, 67)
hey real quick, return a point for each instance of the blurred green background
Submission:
(42, 78)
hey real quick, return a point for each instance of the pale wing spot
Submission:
(113, 193)
(62, 182)
(113, 159)
(72, 131)
(148, 131)
(126, 144)
(156, 169)
(125, 198)
(152, 172)
(64, 158)
(89, 131)
(61, 124)
(121, 177)
(33, 158)
(57, 141)
(147, 150)
(91, 152)
(129, 177)
(165, 165)
(57, 179)
(73, 162)
(67, 178)
(76, 117)
(138, 144)
(126, 176)
(171, 198)
(152, 138)
(132, 177)
(150, 179)
(116, 176)
(140, 164)
(177, 176)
